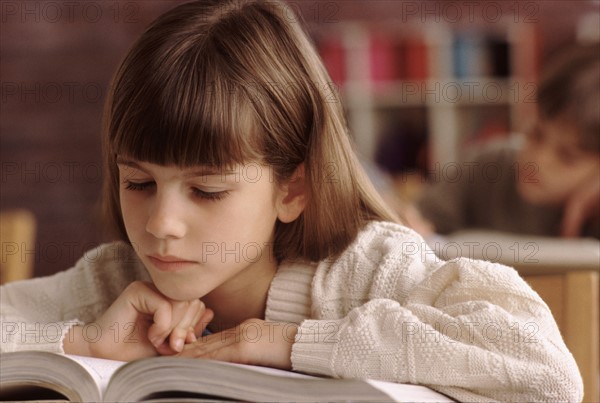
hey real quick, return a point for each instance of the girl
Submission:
(244, 215)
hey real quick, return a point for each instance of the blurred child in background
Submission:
(545, 184)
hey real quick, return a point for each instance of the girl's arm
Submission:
(37, 314)
(388, 309)
(470, 329)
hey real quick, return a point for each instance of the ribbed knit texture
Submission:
(386, 309)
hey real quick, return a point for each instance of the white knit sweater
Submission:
(386, 309)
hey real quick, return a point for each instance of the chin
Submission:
(177, 292)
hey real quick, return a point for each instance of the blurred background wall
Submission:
(429, 75)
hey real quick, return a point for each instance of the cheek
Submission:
(131, 211)
(254, 214)
(125, 203)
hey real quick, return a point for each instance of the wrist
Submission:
(74, 342)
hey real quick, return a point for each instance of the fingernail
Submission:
(179, 345)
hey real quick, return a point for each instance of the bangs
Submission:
(182, 109)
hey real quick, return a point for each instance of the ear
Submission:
(292, 196)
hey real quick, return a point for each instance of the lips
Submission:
(169, 263)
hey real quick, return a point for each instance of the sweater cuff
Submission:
(67, 327)
(35, 336)
(314, 346)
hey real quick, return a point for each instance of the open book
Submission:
(35, 375)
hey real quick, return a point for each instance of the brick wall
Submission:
(57, 61)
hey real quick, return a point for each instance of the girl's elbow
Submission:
(563, 380)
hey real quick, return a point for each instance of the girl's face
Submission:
(198, 230)
(552, 165)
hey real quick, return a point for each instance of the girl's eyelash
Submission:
(138, 186)
(213, 196)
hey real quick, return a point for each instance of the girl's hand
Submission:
(140, 323)
(254, 342)
(581, 207)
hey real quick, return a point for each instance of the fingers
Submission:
(173, 322)
(186, 316)
(253, 342)
(583, 205)
(205, 319)
(217, 346)
(572, 222)
(191, 336)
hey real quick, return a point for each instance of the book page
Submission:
(37, 372)
(274, 371)
(100, 369)
(159, 377)
(401, 392)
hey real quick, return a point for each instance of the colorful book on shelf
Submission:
(476, 55)
(383, 59)
(396, 59)
(415, 59)
(35, 375)
(499, 56)
(469, 56)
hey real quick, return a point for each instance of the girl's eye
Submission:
(143, 186)
(213, 196)
(138, 186)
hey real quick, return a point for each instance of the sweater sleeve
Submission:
(470, 329)
(36, 314)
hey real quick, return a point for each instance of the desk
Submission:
(17, 238)
(572, 296)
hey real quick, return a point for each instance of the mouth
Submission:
(169, 263)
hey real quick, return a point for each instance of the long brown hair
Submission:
(220, 83)
(569, 89)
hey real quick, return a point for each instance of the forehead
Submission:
(251, 172)
(194, 170)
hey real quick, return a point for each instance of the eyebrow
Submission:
(203, 171)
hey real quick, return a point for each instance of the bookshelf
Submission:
(430, 87)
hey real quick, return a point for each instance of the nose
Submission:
(165, 220)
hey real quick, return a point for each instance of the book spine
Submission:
(415, 61)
